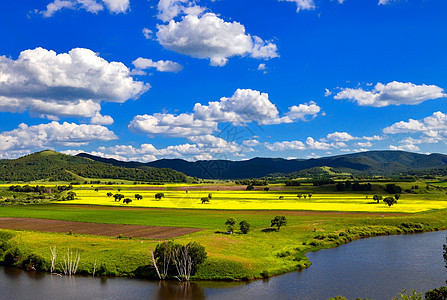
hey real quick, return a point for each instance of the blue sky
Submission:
(145, 80)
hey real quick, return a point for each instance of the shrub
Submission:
(244, 227)
(437, 294)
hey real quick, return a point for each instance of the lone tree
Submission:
(249, 188)
(390, 201)
(266, 189)
(118, 197)
(210, 195)
(159, 196)
(244, 227)
(127, 200)
(109, 194)
(71, 195)
(299, 196)
(279, 221)
(377, 198)
(310, 196)
(205, 200)
(138, 197)
(231, 222)
(397, 196)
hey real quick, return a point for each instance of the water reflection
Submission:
(179, 290)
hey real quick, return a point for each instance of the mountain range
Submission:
(364, 163)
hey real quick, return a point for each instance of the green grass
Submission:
(258, 254)
(230, 256)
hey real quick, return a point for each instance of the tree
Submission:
(210, 196)
(249, 188)
(159, 196)
(340, 186)
(305, 196)
(118, 197)
(71, 195)
(127, 200)
(445, 253)
(390, 201)
(397, 196)
(391, 188)
(299, 196)
(279, 221)
(205, 200)
(109, 194)
(96, 189)
(138, 197)
(310, 196)
(244, 227)
(377, 198)
(266, 189)
(230, 223)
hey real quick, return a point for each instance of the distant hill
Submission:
(368, 163)
(54, 166)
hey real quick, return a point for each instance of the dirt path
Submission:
(114, 230)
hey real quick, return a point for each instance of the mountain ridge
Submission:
(385, 162)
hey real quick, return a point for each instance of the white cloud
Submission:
(66, 84)
(117, 6)
(285, 146)
(432, 129)
(250, 143)
(303, 4)
(373, 138)
(393, 93)
(301, 111)
(52, 134)
(340, 137)
(147, 33)
(385, 2)
(327, 92)
(313, 144)
(364, 144)
(183, 125)
(169, 9)
(261, 67)
(406, 147)
(161, 66)
(210, 37)
(99, 119)
(92, 6)
(243, 107)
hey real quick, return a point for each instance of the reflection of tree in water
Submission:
(178, 290)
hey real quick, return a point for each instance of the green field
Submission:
(234, 256)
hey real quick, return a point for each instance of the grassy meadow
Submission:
(325, 220)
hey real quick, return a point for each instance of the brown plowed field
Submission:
(114, 230)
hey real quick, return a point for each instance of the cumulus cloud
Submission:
(405, 147)
(304, 4)
(66, 84)
(161, 66)
(243, 107)
(393, 93)
(169, 9)
(203, 147)
(340, 137)
(433, 127)
(147, 33)
(182, 125)
(99, 119)
(52, 134)
(385, 2)
(301, 111)
(210, 37)
(285, 146)
(262, 67)
(92, 6)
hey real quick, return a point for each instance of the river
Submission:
(377, 268)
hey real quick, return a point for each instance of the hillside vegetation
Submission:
(53, 166)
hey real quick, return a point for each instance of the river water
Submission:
(377, 268)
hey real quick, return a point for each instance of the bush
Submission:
(244, 227)
(437, 294)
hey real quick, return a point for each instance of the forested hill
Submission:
(54, 166)
(372, 163)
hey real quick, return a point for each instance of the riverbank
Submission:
(260, 253)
